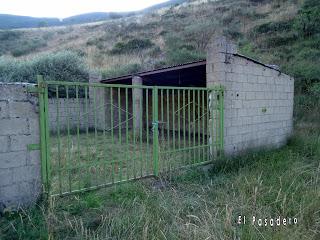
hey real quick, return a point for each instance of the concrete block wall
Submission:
(62, 110)
(20, 179)
(258, 99)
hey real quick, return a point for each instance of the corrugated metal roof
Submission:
(159, 70)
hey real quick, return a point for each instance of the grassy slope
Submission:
(193, 204)
(193, 23)
(262, 30)
(178, 34)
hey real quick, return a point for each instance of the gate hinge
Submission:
(35, 89)
(32, 147)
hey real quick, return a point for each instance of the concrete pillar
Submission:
(219, 57)
(99, 102)
(137, 99)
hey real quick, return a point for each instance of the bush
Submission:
(279, 39)
(121, 70)
(9, 35)
(62, 66)
(17, 44)
(9, 40)
(307, 106)
(308, 20)
(27, 47)
(131, 46)
(178, 52)
(270, 27)
(182, 55)
(12, 70)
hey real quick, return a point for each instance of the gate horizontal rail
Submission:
(96, 135)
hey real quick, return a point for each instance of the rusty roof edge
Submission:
(256, 61)
(154, 71)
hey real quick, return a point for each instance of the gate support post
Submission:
(44, 133)
(155, 131)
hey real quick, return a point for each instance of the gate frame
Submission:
(42, 89)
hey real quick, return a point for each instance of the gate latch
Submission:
(155, 125)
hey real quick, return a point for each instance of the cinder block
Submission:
(237, 104)
(25, 173)
(237, 139)
(13, 126)
(4, 110)
(13, 159)
(33, 158)
(34, 127)
(9, 192)
(260, 95)
(22, 109)
(20, 142)
(13, 92)
(4, 144)
(5, 176)
(30, 191)
(262, 79)
(238, 69)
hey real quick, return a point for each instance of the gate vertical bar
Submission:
(43, 105)
(155, 131)
(221, 102)
(46, 108)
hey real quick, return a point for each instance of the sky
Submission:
(67, 8)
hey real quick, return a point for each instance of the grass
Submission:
(192, 204)
(93, 159)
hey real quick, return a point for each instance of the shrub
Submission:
(9, 40)
(8, 35)
(279, 39)
(273, 27)
(178, 52)
(182, 55)
(307, 23)
(63, 66)
(131, 46)
(200, 33)
(26, 47)
(12, 70)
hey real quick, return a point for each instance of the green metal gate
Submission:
(95, 135)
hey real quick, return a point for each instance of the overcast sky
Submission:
(66, 8)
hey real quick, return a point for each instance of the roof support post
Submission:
(99, 99)
(137, 101)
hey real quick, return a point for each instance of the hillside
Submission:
(8, 21)
(281, 32)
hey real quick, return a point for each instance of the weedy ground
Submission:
(192, 204)
(85, 160)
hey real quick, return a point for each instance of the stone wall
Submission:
(258, 99)
(20, 179)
